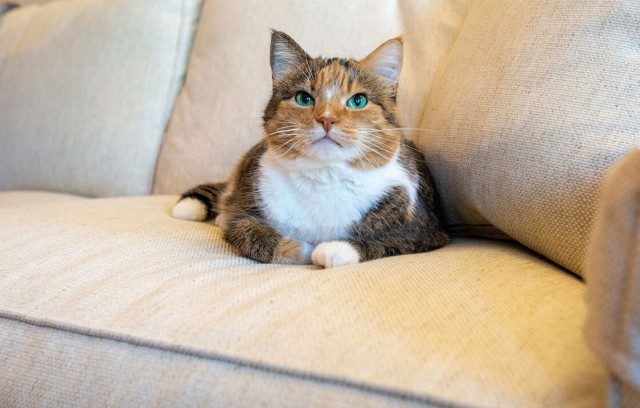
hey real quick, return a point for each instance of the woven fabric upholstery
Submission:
(613, 281)
(87, 88)
(478, 323)
(536, 100)
(57, 368)
(29, 198)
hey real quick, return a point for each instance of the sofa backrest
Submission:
(86, 90)
(218, 114)
(535, 102)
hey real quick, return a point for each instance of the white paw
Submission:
(190, 209)
(335, 253)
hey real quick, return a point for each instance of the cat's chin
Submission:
(328, 150)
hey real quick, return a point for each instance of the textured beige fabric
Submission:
(480, 323)
(536, 101)
(87, 90)
(29, 198)
(613, 280)
(44, 367)
(429, 29)
(218, 115)
(28, 2)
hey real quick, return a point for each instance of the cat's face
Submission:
(333, 110)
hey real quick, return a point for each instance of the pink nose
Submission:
(326, 122)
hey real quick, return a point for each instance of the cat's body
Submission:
(333, 182)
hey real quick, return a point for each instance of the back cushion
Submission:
(218, 115)
(86, 90)
(536, 101)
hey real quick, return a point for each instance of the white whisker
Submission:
(392, 129)
(393, 141)
(378, 147)
(283, 130)
(298, 141)
(364, 155)
(373, 150)
(398, 142)
(286, 143)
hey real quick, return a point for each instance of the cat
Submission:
(333, 182)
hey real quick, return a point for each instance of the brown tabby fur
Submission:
(391, 226)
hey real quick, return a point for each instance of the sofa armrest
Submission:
(613, 281)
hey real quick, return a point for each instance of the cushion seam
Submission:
(282, 371)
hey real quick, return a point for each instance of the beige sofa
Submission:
(521, 108)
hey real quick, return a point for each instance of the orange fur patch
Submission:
(288, 250)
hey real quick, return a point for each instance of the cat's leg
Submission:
(395, 226)
(200, 203)
(401, 241)
(255, 239)
(348, 252)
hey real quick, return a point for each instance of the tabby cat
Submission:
(333, 182)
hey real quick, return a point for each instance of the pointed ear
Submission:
(386, 60)
(285, 54)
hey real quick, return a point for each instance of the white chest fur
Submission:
(318, 202)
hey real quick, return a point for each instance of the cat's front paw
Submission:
(335, 253)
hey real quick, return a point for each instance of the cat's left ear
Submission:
(285, 54)
(386, 60)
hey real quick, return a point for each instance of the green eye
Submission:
(357, 101)
(304, 99)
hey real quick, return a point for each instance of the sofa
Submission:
(528, 114)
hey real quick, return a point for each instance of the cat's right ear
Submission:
(285, 54)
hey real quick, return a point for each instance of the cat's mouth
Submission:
(327, 139)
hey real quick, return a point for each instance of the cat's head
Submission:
(333, 110)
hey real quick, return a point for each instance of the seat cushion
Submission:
(29, 198)
(118, 290)
(87, 91)
(535, 102)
